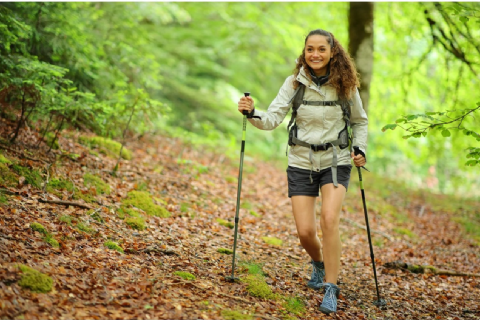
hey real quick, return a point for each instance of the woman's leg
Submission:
(332, 199)
(303, 208)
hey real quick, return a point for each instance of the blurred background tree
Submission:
(85, 64)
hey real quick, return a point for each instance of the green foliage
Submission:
(184, 275)
(224, 251)
(97, 182)
(404, 231)
(419, 125)
(106, 146)
(113, 246)
(252, 267)
(35, 226)
(3, 198)
(272, 241)
(254, 213)
(143, 200)
(136, 223)
(225, 223)
(34, 280)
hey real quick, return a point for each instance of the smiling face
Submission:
(318, 53)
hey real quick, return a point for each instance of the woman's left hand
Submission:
(358, 160)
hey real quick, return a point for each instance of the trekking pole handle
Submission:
(356, 150)
(245, 112)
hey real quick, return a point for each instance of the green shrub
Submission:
(94, 181)
(113, 246)
(143, 200)
(185, 275)
(34, 280)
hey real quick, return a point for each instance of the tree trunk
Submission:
(360, 47)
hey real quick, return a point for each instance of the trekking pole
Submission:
(379, 302)
(239, 190)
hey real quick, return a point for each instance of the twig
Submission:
(353, 223)
(66, 203)
(21, 154)
(6, 191)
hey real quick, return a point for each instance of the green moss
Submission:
(406, 232)
(113, 246)
(59, 184)
(225, 223)
(257, 287)
(38, 227)
(142, 187)
(67, 219)
(272, 241)
(7, 177)
(95, 216)
(246, 205)
(252, 267)
(106, 146)
(87, 197)
(85, 228)
(224, 251)
(136, 223)
(3, 198)
(51, 241)
(294, 305)
(231, 179)
(89, 180)
(144, 201)
(184, 207)
(184, 275)
(4, 160)
(255, 214)
(235, 315)
(123, 211)
(35, 280)
(32, 177)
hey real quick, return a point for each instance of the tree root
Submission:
(414, 268)
(66, 203)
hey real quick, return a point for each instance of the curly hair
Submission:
(343, 74)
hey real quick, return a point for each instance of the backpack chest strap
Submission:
(320, 103)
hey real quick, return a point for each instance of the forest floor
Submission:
(91, 281)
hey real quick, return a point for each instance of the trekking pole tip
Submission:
(380, 303)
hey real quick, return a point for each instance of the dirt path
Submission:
(93, 282)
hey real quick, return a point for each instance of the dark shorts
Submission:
(299, 180)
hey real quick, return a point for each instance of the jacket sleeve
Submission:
(277, 110)
(359, 123)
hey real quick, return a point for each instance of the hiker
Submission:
(325, 100)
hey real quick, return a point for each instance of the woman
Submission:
(317, 161)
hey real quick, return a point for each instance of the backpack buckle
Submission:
(319, 147)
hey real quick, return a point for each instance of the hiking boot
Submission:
(318, 273)
(329, 303)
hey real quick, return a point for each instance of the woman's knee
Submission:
(307, 235)
(329, 222)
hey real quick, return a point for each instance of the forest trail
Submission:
(91, 281)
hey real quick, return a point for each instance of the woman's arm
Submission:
(359, 123)
(278, 109)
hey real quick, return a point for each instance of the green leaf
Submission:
(417, 135)
(446, 133)
(464, 19)
(424, 133)
(401, 120)
(411, 117)
(389, 126)
(431, 113)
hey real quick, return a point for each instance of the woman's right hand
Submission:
(246, 104)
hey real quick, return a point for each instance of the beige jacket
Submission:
(316, 124)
